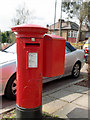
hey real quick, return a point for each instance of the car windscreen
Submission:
(10, 49)
(70, 46)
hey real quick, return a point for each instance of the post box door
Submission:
(30, 58)
(54, 55)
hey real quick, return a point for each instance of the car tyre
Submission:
(76, 70)
(10, 91)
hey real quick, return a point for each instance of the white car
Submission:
(74, 60)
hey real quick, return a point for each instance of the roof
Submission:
(66, 25)
(74, 26)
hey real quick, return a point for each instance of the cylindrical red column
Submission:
(29, 70)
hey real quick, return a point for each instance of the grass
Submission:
(12, 116)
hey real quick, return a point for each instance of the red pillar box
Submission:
(29, 70)
(54, 55)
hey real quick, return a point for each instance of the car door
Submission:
(69, 60)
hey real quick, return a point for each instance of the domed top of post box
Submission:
(53, 36)
(29, 30)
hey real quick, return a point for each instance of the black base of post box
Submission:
(31, 114)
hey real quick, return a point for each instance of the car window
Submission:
(70, 46)
(11, 49)
(67, 50)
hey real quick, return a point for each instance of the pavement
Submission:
(66, 102)
(69, 102)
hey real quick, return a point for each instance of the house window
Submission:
(72, 34)
(75, 34)
(69, 33)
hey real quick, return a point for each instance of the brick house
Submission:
(69, 30)
(85, 33)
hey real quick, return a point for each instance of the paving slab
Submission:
(82, 101)
(70, 98)
(53, 106)
(72, 111)
(76, 88)
(47, 99)
(66, 95)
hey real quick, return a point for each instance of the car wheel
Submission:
(10, 90)
(76, 70)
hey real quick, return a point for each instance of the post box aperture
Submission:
(53, 55)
